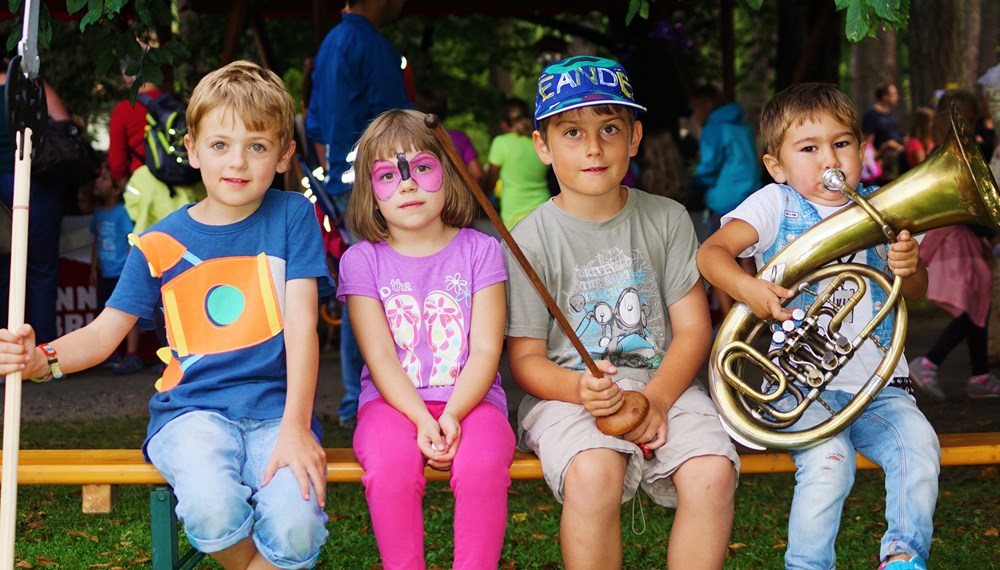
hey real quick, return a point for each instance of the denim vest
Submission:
(799, 216)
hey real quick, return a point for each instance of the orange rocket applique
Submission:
(213, 307)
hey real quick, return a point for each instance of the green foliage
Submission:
(863, 17)
(640, 7)
(128, 30)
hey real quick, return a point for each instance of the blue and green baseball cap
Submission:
(582, 81)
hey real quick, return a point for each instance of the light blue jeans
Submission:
(891, 432)
(215, 466)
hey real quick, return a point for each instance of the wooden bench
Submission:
(98, 469)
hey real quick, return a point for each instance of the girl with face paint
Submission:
(428, 306)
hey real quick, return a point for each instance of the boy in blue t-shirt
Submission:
(239, 275)
(111, 225)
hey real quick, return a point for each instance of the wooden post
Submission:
(12, 388)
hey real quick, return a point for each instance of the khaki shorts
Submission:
(557, 431)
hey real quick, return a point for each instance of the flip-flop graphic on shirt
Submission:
(445, 335)
(403, 315)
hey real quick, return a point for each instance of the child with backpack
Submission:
(127, 130)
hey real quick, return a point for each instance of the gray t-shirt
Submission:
(613, 280)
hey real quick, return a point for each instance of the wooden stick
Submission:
(444, 138)
(12, 389)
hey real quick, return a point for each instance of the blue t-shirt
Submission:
(111, 228)
(357, 75)
(222, 290)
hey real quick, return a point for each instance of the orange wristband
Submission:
(54, 370)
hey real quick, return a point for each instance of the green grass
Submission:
(52, 532)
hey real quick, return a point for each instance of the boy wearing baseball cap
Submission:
(621, 264)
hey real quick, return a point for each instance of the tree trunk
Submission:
(973, 31)
(874, 61)
(989, 36)
(937, 40)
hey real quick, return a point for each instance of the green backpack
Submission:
(166, 157)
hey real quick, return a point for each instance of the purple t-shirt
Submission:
(428, 306)
(463, 145)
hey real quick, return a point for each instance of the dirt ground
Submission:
(99, 394)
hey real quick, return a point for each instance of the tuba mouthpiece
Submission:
(834, 180)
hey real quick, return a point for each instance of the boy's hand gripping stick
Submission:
(635, 406)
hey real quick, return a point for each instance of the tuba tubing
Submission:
(953, 186)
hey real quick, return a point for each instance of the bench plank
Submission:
(127, 467)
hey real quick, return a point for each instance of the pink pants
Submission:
(385, 443)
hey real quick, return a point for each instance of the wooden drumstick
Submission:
(635, 406)
(12, 388)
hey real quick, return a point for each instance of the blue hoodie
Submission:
(729, 168)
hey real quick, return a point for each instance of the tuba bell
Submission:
(953, 186)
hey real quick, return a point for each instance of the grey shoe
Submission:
(988, 388)
(924, 373)
(128, 365)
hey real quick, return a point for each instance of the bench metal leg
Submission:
(163, 526)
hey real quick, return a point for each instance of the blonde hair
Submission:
(801, 102)
(254, 94)
(390, 132)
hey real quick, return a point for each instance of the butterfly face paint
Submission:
(424, 168)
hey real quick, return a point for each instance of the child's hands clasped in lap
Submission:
(444, 442)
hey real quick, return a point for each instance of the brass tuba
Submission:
(953, 186)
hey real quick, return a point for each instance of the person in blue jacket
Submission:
(728, 164)
(358, 74)
(727, 170)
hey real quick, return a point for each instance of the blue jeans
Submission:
(44, 227)
(350, 354)
(215, 466)
(350, 368)
(891, 432)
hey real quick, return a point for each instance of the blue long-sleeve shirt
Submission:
(357, 75)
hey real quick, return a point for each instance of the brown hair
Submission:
(799, 103)
(603, 110)
(254, 94)
(923, 124)
(394, 130)
(967, 105)
(516, 115)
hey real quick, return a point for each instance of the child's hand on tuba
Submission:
(764, 299)
(904, 255)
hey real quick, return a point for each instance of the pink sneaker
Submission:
(924, 373)
(983, 386)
